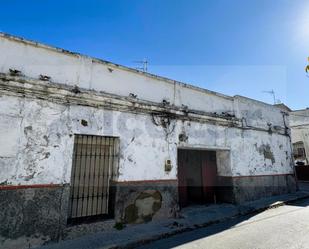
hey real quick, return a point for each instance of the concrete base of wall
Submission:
(224, 190)
(32, 215)
(142, 201)
(249, 188)
(254, 188)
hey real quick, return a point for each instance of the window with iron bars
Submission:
(95, 159)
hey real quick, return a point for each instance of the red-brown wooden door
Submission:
(207, 169)
(209, 175)
(182, 182)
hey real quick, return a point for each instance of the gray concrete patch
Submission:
(146, 201)
(254, 188)
(32, 216)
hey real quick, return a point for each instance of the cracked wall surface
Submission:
(41, 136)
(152, 116)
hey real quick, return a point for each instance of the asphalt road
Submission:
(286, 227)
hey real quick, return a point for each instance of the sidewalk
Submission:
(191, 218)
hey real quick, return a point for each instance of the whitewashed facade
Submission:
(48, 95)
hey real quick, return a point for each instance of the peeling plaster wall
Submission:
(38, 120)
(38, 134)
(40, 143)
(257, 153)
(258, 114)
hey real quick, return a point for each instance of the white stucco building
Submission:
(299, 123)
(83, 138)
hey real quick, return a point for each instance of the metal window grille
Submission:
(299, 150)
(95, 159)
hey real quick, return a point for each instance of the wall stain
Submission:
(27, 129)
(84, 122)
(144, 207)
(266, 151)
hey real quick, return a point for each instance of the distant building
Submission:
(84, 139)
(283, 107)
(299, 124)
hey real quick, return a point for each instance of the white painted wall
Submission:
(73, 69)
(37, 136)
(33, 59)
(299, 123)
(257, 113)
(40, 147)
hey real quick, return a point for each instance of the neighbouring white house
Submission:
(83, 139)
(299, 123)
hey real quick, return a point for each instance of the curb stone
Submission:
(246, 211)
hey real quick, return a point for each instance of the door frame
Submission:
(182, 187)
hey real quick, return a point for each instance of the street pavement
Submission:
(285, 227)
(100, 236)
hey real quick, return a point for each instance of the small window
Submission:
(299, 150)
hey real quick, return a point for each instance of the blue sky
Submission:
(230, 46)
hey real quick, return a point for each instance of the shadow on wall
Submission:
(302, 172)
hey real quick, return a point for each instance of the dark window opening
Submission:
(299, 151)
